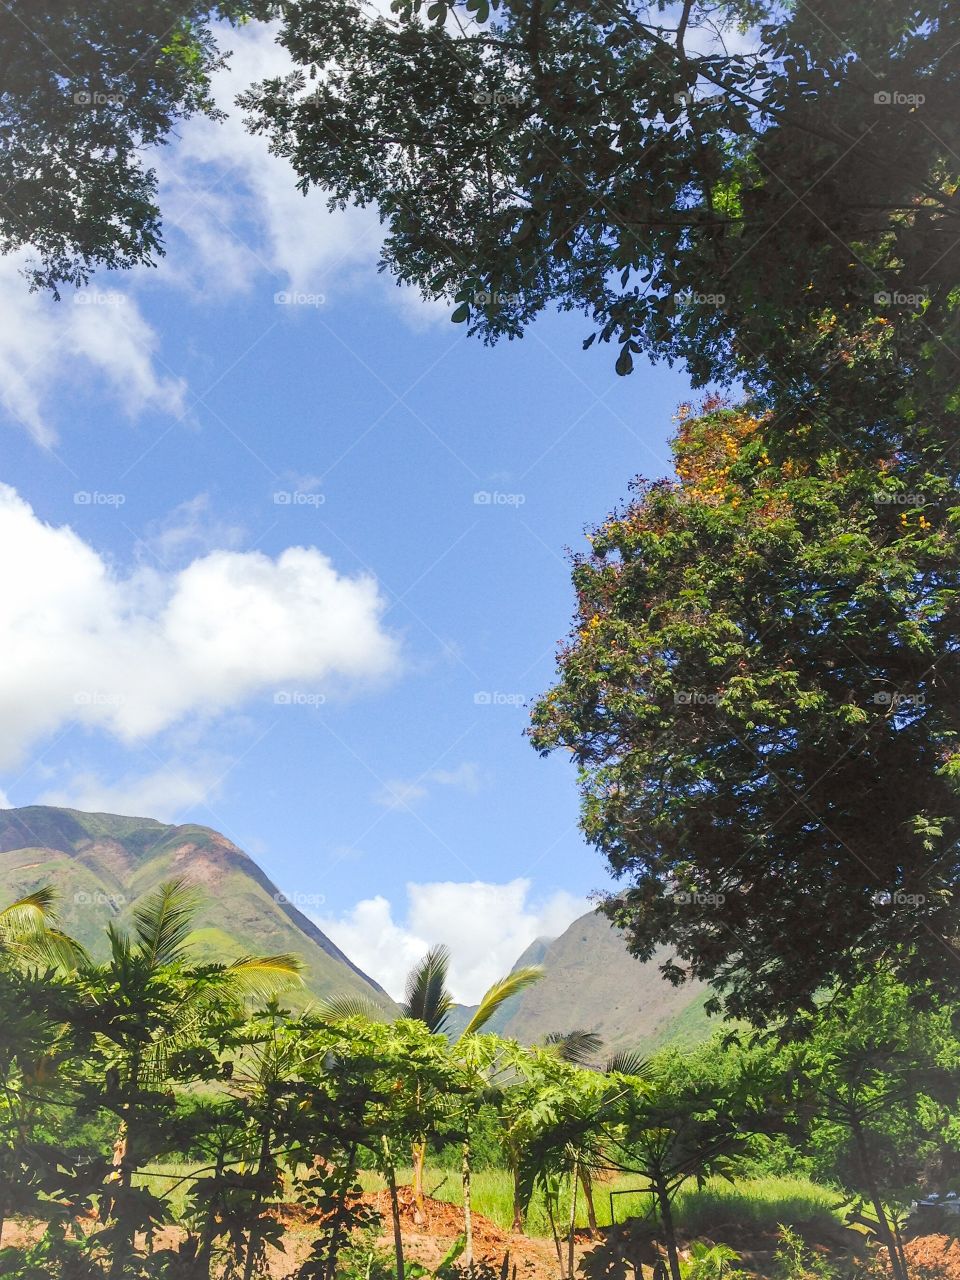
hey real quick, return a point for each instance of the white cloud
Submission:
(44, 342)
(190, 529)
(400, 793)
(238, 206)
(236, 213)
(487, 927)
(135, 654)
(165, 793)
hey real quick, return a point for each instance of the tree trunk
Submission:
(467, 1206)
(394, 1208)
(419, 1152)
(208, 1233)
(339, 1232)
(548, 1198)
(574, 1183)
(254, 1235)
(897, 1263)
(123, 1163)
(517, 1226)
(669, 1231)
(586, 1181)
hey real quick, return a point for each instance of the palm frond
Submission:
(340, 1008)
(27, 931)
(31, 912)
(427, 998)
(579, 1046)
(263, 976)
(163, 921)
(48, 949)
(499, 993)
(627, 1063)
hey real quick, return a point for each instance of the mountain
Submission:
(591, 982)
(100, 863)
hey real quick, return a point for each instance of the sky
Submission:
(284, 553)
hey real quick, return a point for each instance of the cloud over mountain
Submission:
(133, 654)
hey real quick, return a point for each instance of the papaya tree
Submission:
(147, 1013)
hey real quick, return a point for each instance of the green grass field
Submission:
(756, 1202)
(759, 1203)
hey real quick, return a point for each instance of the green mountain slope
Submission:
(100, 863)
(591, 982)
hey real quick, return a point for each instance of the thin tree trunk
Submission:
(586, 1181)
(123, 1163)
(669, 1231)
(467, 1206)
(339, 1233)
(574, 1183)
(517, 1226)
(897, 1263)
(254, 1236)
(208, 1232)
(394, 1208)
(553, 1229)
(419, 1160)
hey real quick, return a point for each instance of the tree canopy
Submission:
(702, 180)
(761, 692)
(87, 89)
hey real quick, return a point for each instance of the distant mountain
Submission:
(591, 982)
(100, 863)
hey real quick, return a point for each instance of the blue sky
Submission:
(351, 713)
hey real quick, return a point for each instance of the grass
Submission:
(758, 1203)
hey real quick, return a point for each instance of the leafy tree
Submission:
(87, 89)
(691, 1117)
(148, 1013)
(761, 691)
(877, 1077)
(705, 181)
(428, 1001)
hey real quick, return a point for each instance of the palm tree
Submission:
(581, 1048)
(149, 1000)
(428, 1000)
(28, 933)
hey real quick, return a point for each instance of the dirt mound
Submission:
(437, 1219)
(933, 1257)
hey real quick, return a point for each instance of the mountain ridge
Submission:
(592, 983)
(100, 863)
